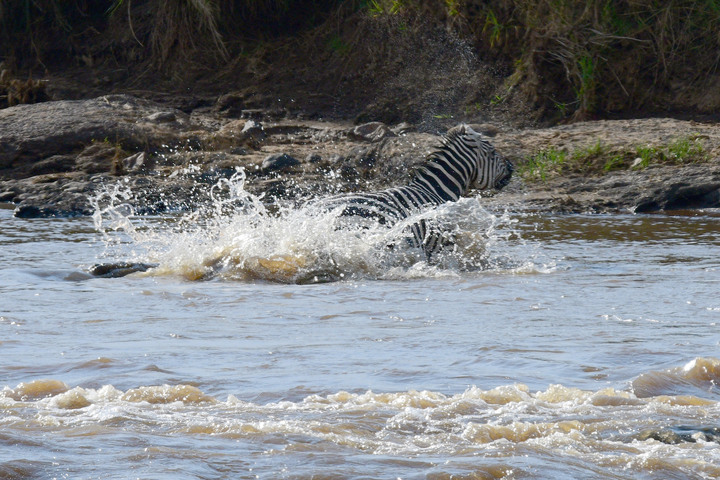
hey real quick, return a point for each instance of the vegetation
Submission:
(569, 59)
(14, 91)
(599, 159)
(607, 55)
(36, 32)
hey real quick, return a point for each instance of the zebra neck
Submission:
(439, 182)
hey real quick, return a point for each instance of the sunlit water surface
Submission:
(547, 347)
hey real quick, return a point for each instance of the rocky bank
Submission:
(56, 156)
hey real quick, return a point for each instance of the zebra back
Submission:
(464, 160)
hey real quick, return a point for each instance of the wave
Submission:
(498, 407)
(700, 378)
(594, 433)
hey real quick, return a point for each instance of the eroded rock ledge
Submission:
(55, 156)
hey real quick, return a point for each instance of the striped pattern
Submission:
(464, 161)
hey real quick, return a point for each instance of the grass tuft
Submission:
(599, 159)
(544, 163)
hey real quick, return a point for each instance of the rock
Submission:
(275, 113)
(49, 163)
(121, 269)
(137, 162)
(231, 104)
(371, 132)
(212, 176)
(161, 117)
(253, 133)
(238, 150)
(335, 159)
(41, 130)
(31, 211)
(278, 162)
(97, 158)
(234, 135)
(52, 195)
(687, 195)
(51, 210)
(53, 164)
(255, 114)
(359, 162)
(487, 129)
(275, 187)
(663, 188)
(7, 196)
(313, 158)
(403, 128)
(252, 127)
(9, 151)
(234, 127)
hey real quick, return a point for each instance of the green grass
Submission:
(385, 7)
(678, 152)
(646, 154)
(687, 150)
(543, 164)
(616, 162)
(493, 28)
(453, 7)
(599, 159)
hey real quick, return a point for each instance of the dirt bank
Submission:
(159, 95)
(55, 156)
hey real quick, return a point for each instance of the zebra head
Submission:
(492, 171)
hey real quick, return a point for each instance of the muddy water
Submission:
(569, 347)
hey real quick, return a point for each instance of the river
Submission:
(551, 346)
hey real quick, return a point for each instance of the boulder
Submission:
(137, 162)
(230, 104)
(39, 131)
(371, 132)
(161, 117)
(359, 162)
(53, 164)
(278, 162)
(97, 158)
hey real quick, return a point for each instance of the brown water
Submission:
(575, 347)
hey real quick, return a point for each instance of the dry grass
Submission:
(570, 59)
(606, 55)
(180, 27)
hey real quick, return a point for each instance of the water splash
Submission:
(235, 236)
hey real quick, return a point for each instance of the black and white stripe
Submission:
(464, 161)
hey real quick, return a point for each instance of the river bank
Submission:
(56, 156)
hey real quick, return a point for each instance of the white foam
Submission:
(236, 237)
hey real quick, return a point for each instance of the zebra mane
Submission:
(450, 138)
(453, 135)
(441, 172)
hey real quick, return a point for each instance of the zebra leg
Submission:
(433, 240)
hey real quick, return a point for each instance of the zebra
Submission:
(465, 160)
